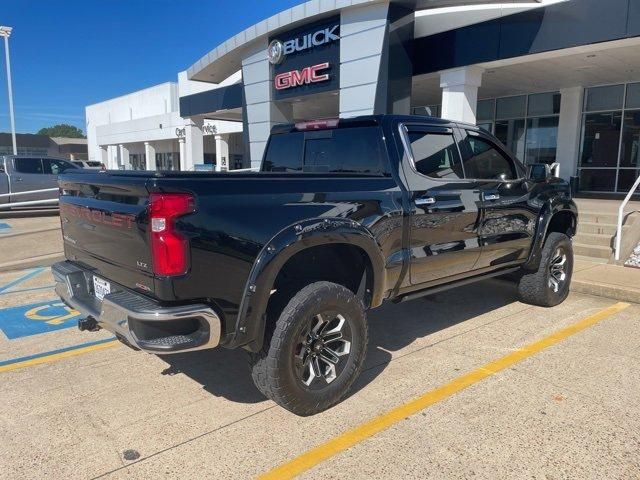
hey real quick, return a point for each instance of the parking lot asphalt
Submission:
(468, 383)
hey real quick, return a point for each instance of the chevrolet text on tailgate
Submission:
(286, 262)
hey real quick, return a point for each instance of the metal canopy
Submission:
(226, 59)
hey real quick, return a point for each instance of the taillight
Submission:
(169, 248)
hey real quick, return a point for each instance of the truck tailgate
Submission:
(105, 227)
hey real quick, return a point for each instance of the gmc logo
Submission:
(305, 76)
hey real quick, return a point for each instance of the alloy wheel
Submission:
(323, 350)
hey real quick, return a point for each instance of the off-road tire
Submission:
(273, 369)
(534, 287)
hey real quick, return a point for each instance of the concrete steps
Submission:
(593, 251)
(598, 228)
(598, 239)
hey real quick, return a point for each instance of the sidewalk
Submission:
(610, 281)
(29, 241)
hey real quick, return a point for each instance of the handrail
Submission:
(15, 194)
(621, 214)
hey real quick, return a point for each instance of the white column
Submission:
(113, 157)
(569, 130)
(194, 148)
(150, 156)
(460, 93)
(124, 157)
(104, 156)
(182, 144)
(222, 153)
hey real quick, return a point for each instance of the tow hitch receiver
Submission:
(88, 324)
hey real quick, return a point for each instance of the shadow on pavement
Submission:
(225, 373)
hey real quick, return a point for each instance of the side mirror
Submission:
(539, 172)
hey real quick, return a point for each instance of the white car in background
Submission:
(91, 165)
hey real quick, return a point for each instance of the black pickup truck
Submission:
(284, 262)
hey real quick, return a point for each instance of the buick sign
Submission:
(278, 50)
(275, 52)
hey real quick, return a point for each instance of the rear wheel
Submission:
(549, 285)
(316, 349)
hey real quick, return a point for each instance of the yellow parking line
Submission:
(348, 439)
(54, 357)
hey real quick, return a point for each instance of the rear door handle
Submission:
(421, 201)
(18, 179)
(491, 196)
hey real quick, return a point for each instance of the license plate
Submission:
(101, 288)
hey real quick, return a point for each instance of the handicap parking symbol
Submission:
(27, 320)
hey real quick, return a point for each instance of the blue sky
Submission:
(72, 53)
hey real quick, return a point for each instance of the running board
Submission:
(458, 283)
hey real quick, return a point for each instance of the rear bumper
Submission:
(136, 319)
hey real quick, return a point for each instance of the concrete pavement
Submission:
(570, 411)
(30, 239)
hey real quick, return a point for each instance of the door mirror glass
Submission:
(539, 172)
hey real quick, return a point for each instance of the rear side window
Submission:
(435, 154)
(345, 150)
(28, 165)
(485, 161)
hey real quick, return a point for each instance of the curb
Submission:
(606, 290)
(32, 262)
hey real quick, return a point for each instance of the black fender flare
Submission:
(249, 331)
(548, 211)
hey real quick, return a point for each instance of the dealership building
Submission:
(556, 81)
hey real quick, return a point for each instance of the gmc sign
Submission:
(305, 76)
(305, 60)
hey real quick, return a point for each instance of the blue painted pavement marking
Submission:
(53, 352)
(4, 226)
(36, 318)
(23, 278)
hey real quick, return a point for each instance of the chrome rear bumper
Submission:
(136, 319)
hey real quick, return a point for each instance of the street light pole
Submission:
(6, 33)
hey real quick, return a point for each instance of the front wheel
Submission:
(316, 350)
(549, 285)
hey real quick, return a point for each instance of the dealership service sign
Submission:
(306, 60)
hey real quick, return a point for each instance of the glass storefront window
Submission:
(543, 104)
(486, 110)
(512, 134)
(601, 138)
(599, 99)
(526, 124)
(633, 95)
(598, 180)
(626, 179)
(610, 155)
(630, 153)
(542, 140)
(511, 107)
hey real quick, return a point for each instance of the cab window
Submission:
(56, 167)
(484, 160)
(435, 155)
(28, 165)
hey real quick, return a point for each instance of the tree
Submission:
(62, 130)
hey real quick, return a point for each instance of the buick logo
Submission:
(275, 52)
